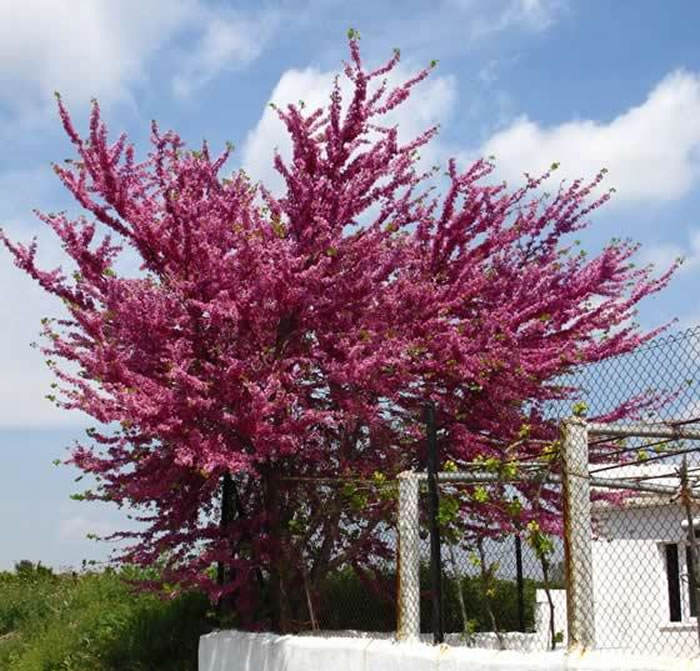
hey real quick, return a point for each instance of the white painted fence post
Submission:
(578, 536)
(408, 628)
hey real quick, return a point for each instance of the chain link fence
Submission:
(340, 566)
(622, 577)
(501, 586)
(616, 567)
(643, 410)
(657, 382)
(500, 589)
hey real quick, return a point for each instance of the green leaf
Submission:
(579, 409)
(449, 466)
(480, 495)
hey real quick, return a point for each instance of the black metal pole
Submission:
(222, 575)
(520, 582)
(433, 503)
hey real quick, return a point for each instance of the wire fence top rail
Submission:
(642, 430)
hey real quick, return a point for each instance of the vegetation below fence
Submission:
(94, 621)
(362, 610)
(97, 621)
(502, 598)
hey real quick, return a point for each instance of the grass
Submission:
(94, 622)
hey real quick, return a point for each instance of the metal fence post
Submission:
(520, 582)
(408, 628)
(578, 536)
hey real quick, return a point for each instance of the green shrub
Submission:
(94, 621)
(348, 603)
(504, 603)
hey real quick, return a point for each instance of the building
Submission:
(643, 590)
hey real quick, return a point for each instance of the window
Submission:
(676, 586)
(674, 583)
(692, 591)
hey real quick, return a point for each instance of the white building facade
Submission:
(642, 587)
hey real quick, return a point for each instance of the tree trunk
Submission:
(548, 592)
(279, 615)
(224, 606)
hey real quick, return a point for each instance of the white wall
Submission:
(630, 587)
(239, 651)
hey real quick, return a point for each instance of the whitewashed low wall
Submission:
(242, 651)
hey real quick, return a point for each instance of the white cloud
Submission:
(664, 254)
(24, 379)
(83, 48)
(430, 103)
(539, 14)
(310, 85)
(225, 43)
(76, 528)
(536, 15)
(652, 151)
(102, 48)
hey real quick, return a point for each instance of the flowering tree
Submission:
(268, 342)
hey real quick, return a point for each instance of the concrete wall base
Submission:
(243, 651)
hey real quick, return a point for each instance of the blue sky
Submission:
(587, 84)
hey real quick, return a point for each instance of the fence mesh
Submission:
(643, 598)
(621, 563)
(643, 581)
(339, 571)
(658, 382)
(498, 590)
